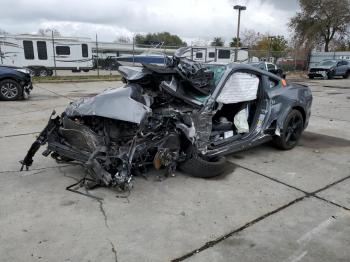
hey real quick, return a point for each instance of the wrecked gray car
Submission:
(183, 115)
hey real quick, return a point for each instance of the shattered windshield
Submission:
(218, 71)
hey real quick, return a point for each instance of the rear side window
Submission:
(224, 54)
(62, 50)
(42, 50)
(84, 50)
(28, 49)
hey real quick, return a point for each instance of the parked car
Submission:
(183, 115)
(270, 67)
(15, 83)
(330, 68)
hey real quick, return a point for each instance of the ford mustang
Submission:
(184, 115)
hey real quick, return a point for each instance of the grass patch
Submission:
(75, 78)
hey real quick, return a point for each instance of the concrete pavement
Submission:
(273, 206)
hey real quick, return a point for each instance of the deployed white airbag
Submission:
(241, 121)
(238, 88)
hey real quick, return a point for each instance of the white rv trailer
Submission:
(42, 54)
(218, 54)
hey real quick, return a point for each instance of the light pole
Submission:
(270, 38)
(239, 8)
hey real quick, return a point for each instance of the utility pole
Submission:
(98, 69)
(53, 51)
(239, 8)
(270, 38)
(1, 53)
(133, 50)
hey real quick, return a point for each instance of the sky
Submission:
(190, 19)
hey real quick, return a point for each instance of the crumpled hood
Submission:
(126, 104)
(322, 67)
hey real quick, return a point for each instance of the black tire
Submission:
(330, 75)
(86, 70)
(50, 72)
(43, 72)
(347, 74)
(293, 127)
(196, 166)
(10, 90)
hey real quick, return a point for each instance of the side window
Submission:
(84, 50)
(42, 51)
(241, 86)
(211, 54)
(262, 66)
(28, 49)
(62, 50)
(199, 55)
(273, 83)
(224, 54)
(271, 67)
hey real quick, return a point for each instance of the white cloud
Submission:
(191, 19)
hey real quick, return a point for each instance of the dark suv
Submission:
(330, 68)
(15, 83)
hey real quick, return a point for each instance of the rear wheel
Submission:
(197, 166)
(10, 90)
(43, 72)
(346, 75)
(292, 129)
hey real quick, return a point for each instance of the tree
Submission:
(275, 43)
(217, 41)
(250, 38)
(47, 32)
(123, 40)
(157, 38)
(320, 21)
(234, 42)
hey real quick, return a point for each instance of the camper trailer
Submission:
(218, 54)
(42, 54)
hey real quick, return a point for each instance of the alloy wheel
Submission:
(9, 90)
(294, 130)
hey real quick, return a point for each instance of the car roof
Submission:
(236, 66)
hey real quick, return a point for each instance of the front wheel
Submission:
(10, 90)
(346, 76)
(293, 127)
(197, 166)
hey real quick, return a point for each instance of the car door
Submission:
(341, 68)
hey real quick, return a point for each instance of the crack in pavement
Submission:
(24, 134)
(56, 93)
(114, 250)
(313, 194)
(102, 210)
(251, 223)
(34, 169)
